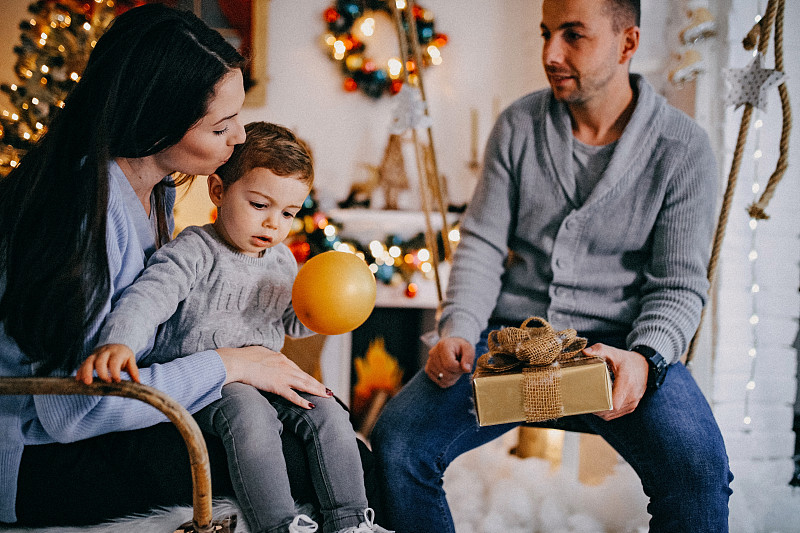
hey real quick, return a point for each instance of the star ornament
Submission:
(750, 85)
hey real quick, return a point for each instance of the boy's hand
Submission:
(109, 361)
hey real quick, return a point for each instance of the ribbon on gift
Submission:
(536, 348)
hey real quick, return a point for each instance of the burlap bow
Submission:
(537, 348)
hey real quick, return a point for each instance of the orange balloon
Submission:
(333, 293)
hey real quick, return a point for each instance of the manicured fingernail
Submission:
(311, 406)
(329, 392)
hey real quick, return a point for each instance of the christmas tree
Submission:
(55, 43)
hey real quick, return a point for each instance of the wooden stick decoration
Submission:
(426, 163)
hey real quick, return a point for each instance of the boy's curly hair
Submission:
(269, 146)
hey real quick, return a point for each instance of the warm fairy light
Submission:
(329, 230)
(454, 235)
(757, 154)
(376, 248)
(45, 69)
(751, 385)
(35, 101)
(24, 105)
(43, 80)
(753, 255)
(368, 27)
(13, 86)
(60, 103)
(33, 22)
(61, 48)
(395, 67)
(395, 251)
(753, 223)
(39, 126)
(423, 254)
(758, 124)
(28, 73)
(754, 319)
(755, 288)
(373, 268)
(752, 352)
(330, 39)
(755, 188)
(339, 48)
(93, 43)
(425, 267)
(400, 4)
(13, 163)
(14, 116)
(87, 26)
(26, 135)
(74, 76)
(43, 35)
(747, 420)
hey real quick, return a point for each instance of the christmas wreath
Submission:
(360, 70)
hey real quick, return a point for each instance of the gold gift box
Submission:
(585, 388)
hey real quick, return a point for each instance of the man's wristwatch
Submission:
(656, 363)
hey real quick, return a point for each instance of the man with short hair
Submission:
(595, 211)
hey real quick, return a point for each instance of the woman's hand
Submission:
(448, 360)
(270, 371)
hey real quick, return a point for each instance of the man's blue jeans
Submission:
(671, 440)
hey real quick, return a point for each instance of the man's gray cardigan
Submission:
(631, 259)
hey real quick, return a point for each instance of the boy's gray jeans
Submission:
(250, 423)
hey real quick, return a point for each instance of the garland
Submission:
(392, 261)
(360, 70)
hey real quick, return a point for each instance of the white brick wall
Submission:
(760, 451)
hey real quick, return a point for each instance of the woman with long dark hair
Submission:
(159, 98)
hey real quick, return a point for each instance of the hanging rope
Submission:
(760, 34)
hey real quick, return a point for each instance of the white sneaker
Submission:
(302, 524)
(368, 526)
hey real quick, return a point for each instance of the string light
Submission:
(755, 287)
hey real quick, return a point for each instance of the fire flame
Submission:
(376, 371)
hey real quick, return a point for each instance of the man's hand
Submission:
(109, 361)
(630, 378)
(448, 360)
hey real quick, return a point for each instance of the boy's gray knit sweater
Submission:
(207, 296)
(632, 258)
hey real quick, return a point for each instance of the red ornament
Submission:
(301, 250)
(439, 40)
(396, 86)
(331, 15)
(418, 12)
(411, 290)
(350, 84)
